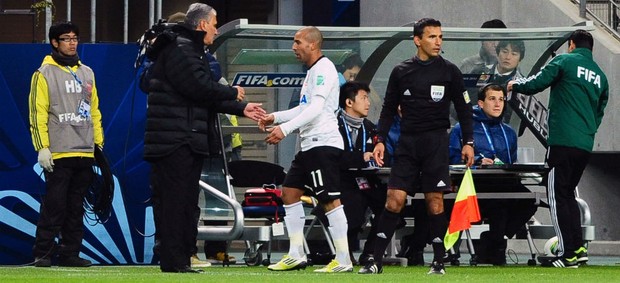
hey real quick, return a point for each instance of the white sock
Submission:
(295, 220)
(338, 230)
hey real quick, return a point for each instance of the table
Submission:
(530, 175)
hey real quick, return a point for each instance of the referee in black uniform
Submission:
(423, 86)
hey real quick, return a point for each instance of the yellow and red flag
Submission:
(465, 210)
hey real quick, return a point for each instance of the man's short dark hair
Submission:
(418, 27)
(492, 24)
(517, 45)
(482, 92)
(582, 39)
(349, 90)
(350, 62)
(495, 23)
(61, 28)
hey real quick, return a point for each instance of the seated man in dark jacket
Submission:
(183, 103)
(360, 189)
(496, 143)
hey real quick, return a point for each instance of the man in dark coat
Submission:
(183, 103)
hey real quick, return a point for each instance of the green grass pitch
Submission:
(245, 274)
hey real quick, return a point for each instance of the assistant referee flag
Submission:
(465, 210)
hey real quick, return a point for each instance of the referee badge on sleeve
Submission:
(466, 97)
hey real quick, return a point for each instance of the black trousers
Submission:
(62, 207)
(355, 203)
(175, 183)
(566, 166)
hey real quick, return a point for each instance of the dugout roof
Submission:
(243, 47)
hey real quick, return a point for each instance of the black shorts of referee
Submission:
(423, 159)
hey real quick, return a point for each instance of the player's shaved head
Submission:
(313, 35)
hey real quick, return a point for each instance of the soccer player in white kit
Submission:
(316, 167)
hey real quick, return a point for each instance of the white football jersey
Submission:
(315, 117)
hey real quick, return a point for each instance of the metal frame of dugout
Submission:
(264, 51)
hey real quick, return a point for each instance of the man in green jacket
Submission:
(579, 93)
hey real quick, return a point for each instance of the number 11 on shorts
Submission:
(317, 178)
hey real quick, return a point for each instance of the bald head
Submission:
(312, 35)
(307, 45)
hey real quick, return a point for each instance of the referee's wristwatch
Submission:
(470, 143)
